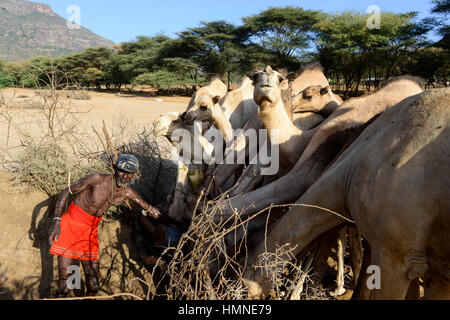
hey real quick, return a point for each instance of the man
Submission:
(73, 235)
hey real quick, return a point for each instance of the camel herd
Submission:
(373, 172)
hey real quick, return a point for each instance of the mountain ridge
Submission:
(29, 29)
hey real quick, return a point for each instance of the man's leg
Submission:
(65, 272)
(91, 273)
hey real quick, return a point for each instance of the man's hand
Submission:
(154, 212)
(55, 231)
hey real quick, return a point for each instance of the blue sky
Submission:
(124, 20)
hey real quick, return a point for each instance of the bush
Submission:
(46, 167)
(5, 81)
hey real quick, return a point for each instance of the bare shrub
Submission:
(46, 167)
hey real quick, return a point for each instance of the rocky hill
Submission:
(29, 29)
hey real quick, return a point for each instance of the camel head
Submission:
(202, 110)
(268, 86)
(164, 126)
(313, 99)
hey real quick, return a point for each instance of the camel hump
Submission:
(416, 80)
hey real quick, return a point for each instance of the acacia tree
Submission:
(350, 51)
(284, 32)
(215, 46)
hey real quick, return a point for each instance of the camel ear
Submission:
(325, 90)
(216, 99)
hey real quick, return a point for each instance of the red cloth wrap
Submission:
(79, 235)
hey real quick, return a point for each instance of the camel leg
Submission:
(392, 277)
(178, 207)
(341, 245)
(437, 287)
(250, 173)
(296, 229)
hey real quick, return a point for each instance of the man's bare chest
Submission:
(104, 195)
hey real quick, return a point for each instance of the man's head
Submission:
(125, 169)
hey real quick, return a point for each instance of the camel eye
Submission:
(203, 108)
(307, 97)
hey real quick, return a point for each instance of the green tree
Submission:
(284, 32)
(214, 46)
(351, 51)
(81, 66)
(432, 64)
(441, 8)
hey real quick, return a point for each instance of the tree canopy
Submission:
(354, 56)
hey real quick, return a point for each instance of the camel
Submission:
(166, 126)
(207, 109)
(267, 94)
(215, 88)
(393, 182)
(310, 75)
(230, 112)
(345, 124)
(316, 99)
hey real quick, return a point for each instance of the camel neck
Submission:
(223, 124)
(275, 117)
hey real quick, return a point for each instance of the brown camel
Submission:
(316, 99)
(345, 124)
(393, 182)
(308, 76)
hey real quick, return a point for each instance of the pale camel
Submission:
(166, 126)
(393, 182)
(230, 112)
(302, 120)
(215, 88)
(207, 109)
(267, 94)
(310, 75)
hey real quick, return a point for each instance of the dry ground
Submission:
(115, 110)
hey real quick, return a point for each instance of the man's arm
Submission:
(134, 196)
(78, 187)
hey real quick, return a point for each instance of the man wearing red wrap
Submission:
(73, 235)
